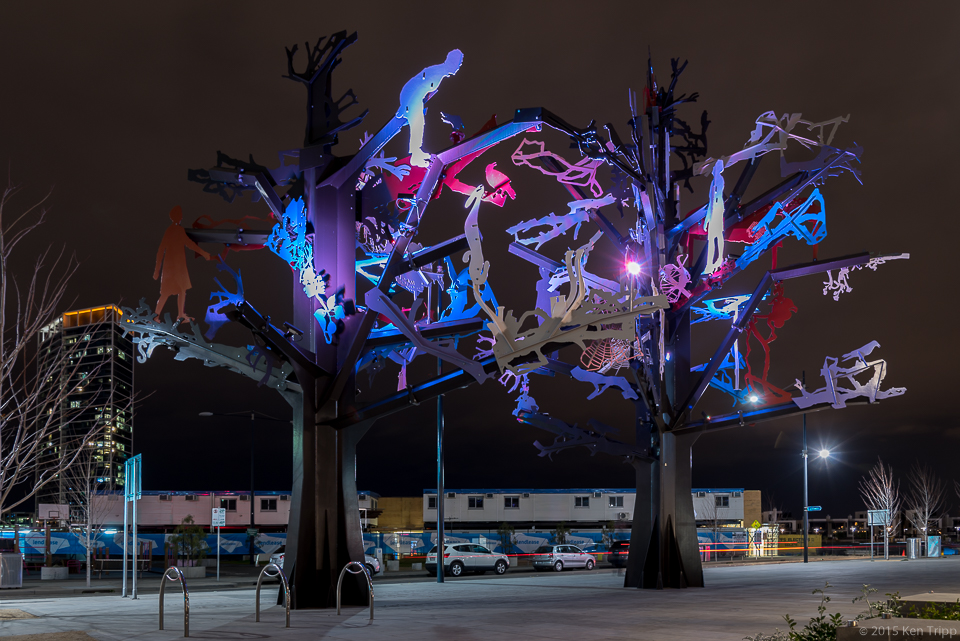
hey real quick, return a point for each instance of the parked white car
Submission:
(467, 557)
(558, 557)
(373, 565)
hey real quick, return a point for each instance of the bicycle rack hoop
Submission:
(283, 580)
(366, 573)
(174, 574)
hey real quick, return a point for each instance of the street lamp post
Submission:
(823, 453)
(806, 501)
(253, 443)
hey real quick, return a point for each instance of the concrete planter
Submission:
(53, 574)
(196, 572)
(393, 566)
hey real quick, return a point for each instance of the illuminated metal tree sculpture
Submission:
(343, 220)
(664, 382)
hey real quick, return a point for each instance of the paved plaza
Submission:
(572, 605)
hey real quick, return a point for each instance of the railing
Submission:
(366, 573)
(286, 588)
(178, 576)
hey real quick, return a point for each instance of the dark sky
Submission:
(111, 105)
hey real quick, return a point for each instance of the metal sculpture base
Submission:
(664, 551)
(324, 532)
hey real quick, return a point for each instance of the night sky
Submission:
(110, 104)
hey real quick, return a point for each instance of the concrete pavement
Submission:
(579, 605)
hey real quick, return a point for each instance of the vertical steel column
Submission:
(136, 541)
(123, 589)
(252, 506)
(806, 502)
(440, 488)
(440, 480)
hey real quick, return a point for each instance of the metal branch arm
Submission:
(274, 338)
(286, 588)
(412, 396)
(744, 318)
(741, 418)
(394, 265)
(261, 181)
(361, 568)
(177, 576)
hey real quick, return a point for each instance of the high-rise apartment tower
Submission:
(102, 358)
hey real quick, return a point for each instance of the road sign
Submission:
(219, 517)
(756, 524)
(252, 531)
(131, 478)
(814, 508)
(877, 517)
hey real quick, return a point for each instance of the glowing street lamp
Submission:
(633, 267)
(824, 453)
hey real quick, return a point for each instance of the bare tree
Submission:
(773, 507)
(35, 444)
(89, 508)
(710, 512)
(925, 497)
(881, 492)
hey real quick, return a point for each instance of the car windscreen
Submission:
(544, 549)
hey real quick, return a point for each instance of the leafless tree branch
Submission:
(881, 492)
(88, 508)
(33, 391)
(925, 496)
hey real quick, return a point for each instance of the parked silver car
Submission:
(467, 557)
(373, 565)
(558, 557)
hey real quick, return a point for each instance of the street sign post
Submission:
(131, 494)
(879, 518)
(218, 519)
(252, 534)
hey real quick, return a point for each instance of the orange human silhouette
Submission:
(176, 279)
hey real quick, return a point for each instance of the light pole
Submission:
(254, 415)
(806, 503)
(434, 304)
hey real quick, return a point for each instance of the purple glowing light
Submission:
(633, 267)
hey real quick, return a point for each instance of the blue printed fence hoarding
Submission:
(68, 543)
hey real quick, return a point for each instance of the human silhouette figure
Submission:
(415, 93)
(176, 279)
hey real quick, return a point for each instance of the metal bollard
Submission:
(178, 576)
(366, 573)
(286, 588)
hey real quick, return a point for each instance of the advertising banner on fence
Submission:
(394, 543)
